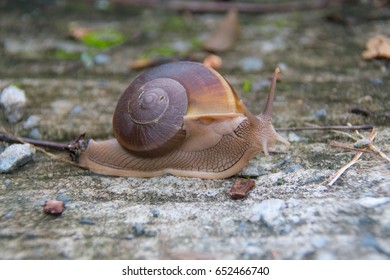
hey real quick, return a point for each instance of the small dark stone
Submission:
(129, 237)
(283, 162)
(64, 198)
(9, 215)
(86, 222)
(320, 114)
(360, 111)
(155, 213)
(150, 233)
(292, 168)
(376, 81)
(280, 182)
(138, 229)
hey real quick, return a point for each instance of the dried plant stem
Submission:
(347, 146)
(9, 138)
(374, 148)
(74, 148)
(340, 172)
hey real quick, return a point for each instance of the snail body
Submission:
(183, 119)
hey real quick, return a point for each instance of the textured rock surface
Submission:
(15, 156)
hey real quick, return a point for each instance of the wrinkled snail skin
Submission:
(212, 142)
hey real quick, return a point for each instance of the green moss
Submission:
(280, 182)
(103, 38)
(175, 24)
(162, 51)
(67, 55)
(196, 43)
(247, 86)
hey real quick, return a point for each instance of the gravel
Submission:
(15, 156)
(13, 101)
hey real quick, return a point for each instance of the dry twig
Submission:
(340, 172)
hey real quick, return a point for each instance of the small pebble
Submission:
(31, 122)
(63, 198)
(320, 113)
(325, 256)
(293, 137)
(371, 202)
(376, 81)
(138, 229)
(292, 168)
(283, 161)
(155, 213)
(129, 237)
(15, 156)
(54, 207)
(361, 143)
(61, 107)
(268, 211)
(35, 133)
(253, 170)
(282, 66)
(13, 101)
(319, 241)
(9, 215)
(181, 46)
(86, 222)
(251, 64)
(101, 59)
(76, 110)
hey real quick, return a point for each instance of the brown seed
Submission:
(54, 207)
(241, 188)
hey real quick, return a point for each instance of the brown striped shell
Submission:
(149, 118)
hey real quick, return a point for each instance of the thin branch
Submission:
(222, 7)
(7, 137)
(340, 172)
(374, 148)
(347, 146)
(74, 147)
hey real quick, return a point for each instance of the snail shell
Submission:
(185, 119)
(149, 118)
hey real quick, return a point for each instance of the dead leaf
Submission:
(377, 47)
(225, 35)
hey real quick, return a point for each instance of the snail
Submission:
(184, 119)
